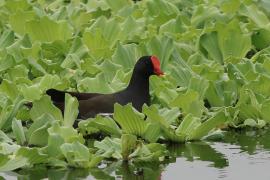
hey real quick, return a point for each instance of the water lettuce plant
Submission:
(215, 55)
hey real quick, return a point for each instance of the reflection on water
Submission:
(198, 151)
(249, 141)
(240, 155)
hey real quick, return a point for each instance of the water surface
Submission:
(239, 155)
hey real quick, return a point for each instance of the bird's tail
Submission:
(56, 95)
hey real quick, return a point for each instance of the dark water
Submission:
(242, 155)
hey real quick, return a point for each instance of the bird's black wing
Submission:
(59, 96)
(99, 104)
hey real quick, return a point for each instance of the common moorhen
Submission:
(137, 92)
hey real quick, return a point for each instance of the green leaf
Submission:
(248, 105)
(47, 30)
(126, 55)
(14, 6)
(18, 131)
(200, 85)
(157, 153)
(54, 143)
(38, 132)
(217, 119)
(261, 123)
(23, 157)
(97, 44)
(9, 112)
(6, 62)
(152, 132)
(31, 93)
(162, 48)
(19, 19)
(154, 115)
(95, 85)
(49, 81)
(183, 74)
(230, 6)
(161, 11)
(187, 127)
(19, 71)
(130, 120)
(128, 144)
(7, 164)
(117, 4)
(265, 111)
(33, 155)
(132, 29)
(71, 110)
(190, 103)
(260, 85)
(44, 105)
(103, 124)
(163, 89)
(173, 26)
(8, 148)
(68, 134)
(128, 148)
(4, 137)
(222, 93)
(250, 122)
(9, 89)
(261, 38)
(76, 154)
(55, 50)
(59, 135)
(232, 41)
(208, 45)
(203, 13)
(109, 147)
(109, 69)
(255, 15)
(227, 43)
(6, 39)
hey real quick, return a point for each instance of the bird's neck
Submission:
(137, 92)
(139, 84)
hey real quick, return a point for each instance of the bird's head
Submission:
(148, 65)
